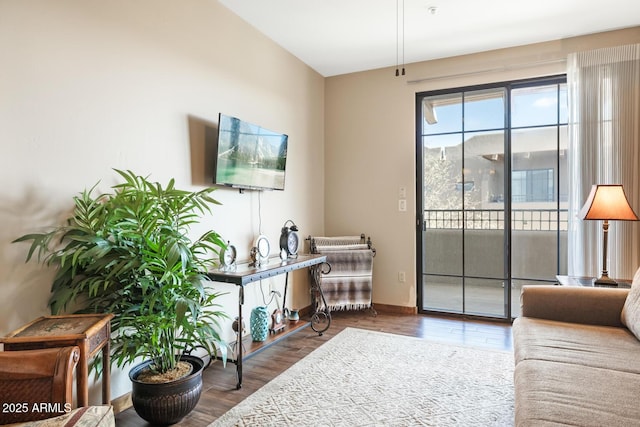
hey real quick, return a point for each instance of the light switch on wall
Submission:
(402, 205)
(402, 192)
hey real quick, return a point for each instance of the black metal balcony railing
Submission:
(494, 219)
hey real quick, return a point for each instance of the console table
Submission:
(90, 332)
(247, 273)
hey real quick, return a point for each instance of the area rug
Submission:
(368, 378)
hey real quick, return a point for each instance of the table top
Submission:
(54, 327)
(589, 281)
(246, 273)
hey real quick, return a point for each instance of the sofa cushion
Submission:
(575, 304)
(554, 393)
(630, 315)
(584, 345)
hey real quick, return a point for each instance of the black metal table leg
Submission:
(239, 354)
(285, 310)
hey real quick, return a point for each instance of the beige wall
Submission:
(86, 86)
(370, 144)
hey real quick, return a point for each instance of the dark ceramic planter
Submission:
(167, 403)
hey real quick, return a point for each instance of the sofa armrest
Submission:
(586, 305)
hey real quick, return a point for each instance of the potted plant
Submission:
(128, 252)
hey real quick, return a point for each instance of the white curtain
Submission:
(604, 148)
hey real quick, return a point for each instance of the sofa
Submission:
(577, 356)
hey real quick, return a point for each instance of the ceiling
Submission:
(342, 36)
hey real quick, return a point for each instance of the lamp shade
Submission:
(607, 202)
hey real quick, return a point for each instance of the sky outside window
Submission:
(530, 107)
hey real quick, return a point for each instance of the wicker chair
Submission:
(36, 384)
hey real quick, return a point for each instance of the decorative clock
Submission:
(289, 240)
(228, 258)
(277, 321)
(260, 251)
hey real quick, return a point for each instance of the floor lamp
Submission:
(607, 202)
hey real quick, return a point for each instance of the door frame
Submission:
(509, 86)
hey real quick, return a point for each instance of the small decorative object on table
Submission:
(260, 251)
(294, 316)
(259, 323)
(277, 321)
(289, 240)
(228, 258)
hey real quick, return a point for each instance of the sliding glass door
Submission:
(490, 168)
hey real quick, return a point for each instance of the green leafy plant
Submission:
(128, 253)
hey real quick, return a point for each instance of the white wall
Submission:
(370, 145)
(87, 86)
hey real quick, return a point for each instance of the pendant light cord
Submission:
(403, 15)
(397, 36)
(398, 40)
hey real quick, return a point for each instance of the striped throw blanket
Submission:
(348, 286)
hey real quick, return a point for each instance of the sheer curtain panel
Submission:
(604, 139)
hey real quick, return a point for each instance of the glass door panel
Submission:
(484, 297)
(538, 183)
(484, 237)
(442, 293)
(537, 106)
(463, 174)
(493, 164)
(484, 109)
(483, 171)
(442, 219)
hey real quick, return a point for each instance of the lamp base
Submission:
(605, 281)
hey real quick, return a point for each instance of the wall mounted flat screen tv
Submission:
(249, 156)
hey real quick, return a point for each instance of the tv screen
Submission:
(249, 156)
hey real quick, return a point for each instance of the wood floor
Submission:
(219, 392)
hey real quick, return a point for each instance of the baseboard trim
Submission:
(305, 311)
(381, 308)
(394, 309)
